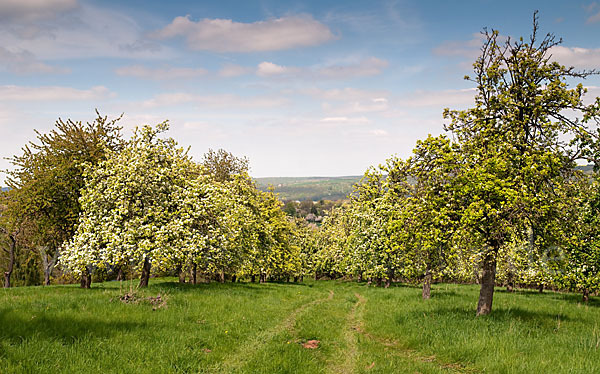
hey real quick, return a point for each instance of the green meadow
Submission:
(310, 327)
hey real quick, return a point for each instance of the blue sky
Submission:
(301, 88)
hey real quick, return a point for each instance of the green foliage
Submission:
(149, 205)
(517, 160)
(45, 185)
(223, 165)
(582, 270)
(502, 197)
(130, 205)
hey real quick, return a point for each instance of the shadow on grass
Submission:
(66, 330)
(444, 294)
(554, 295)
(498, 315)
(254, 287)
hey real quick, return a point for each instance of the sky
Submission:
(301, 88)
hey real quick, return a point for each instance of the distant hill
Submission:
(309, 188)
(588, 169)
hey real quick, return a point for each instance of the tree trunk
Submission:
(263, 278)
(253, 278)
(586, 295)
(301, 278)
(296, 279)
(222, 277)
(48, 263)
(85, 280)
(287, 279)
(88, 281)
(488, 281)
(193, 274)
(11, 261)
(369, 281)
(7, 275)
(379, 281)
(388, 280)
(233, 278)
(145, 277)
(120, 275)
(427, 285)
(180, 273)
(509, 287)
(541, 288)
(360, 278)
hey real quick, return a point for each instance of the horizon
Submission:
(302, 89)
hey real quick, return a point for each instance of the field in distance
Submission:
(310, 188)
(309, 327)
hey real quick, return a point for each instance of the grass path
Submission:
(345, 361)
(417, 357)
(248, 349)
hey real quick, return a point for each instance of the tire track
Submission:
(353, 324)
(398, 348)
(246, 351)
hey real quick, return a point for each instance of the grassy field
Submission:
(262, 328)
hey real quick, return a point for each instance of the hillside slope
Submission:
(309, 188)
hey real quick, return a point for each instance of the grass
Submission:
(261, 328)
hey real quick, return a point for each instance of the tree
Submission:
(46, 183)
(223, 165)
(333, 255)
(582, 271)
(263, 234)
(430, 211)
(513, 141)
(305, 239)
(369, 247)
(10, 228)
(130, 207)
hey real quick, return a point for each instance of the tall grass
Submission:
(261, 328)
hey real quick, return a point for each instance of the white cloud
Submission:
(578, 57)
(220, 101)
(366, 67)
(225, 35)
(469, 49)
(348, 102)
(354, 107)
(346, 94)
(86, 31)
(269, 69)
(24, 62)
(592, 93)
(231, 70)
(442, 99)
(346, 120)
(379, 132)
(169, 73)
(34, 9)
(52, 93)
(595, 14)
(594, 18)
(131, 119)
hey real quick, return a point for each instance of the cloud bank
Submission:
(225, 35)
